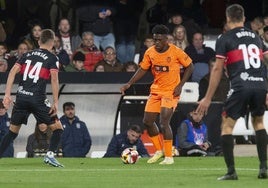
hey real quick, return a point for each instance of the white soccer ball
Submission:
(130, 156)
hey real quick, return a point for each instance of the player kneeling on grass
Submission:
(35, 69)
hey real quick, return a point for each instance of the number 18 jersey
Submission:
(35, 71)
(243, 52)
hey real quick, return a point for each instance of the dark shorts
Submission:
(239, 102)
(26, 105)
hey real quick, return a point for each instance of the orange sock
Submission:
(168, 148)
(157, 142)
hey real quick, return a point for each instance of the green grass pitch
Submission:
(112, 173)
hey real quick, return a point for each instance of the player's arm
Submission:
(215, 77)
(137, 76)
(55, 90)
(187, 73)
(10, 81)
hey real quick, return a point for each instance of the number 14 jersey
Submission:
(35, 71)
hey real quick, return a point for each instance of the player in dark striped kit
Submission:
(35, 69)
(242, 52)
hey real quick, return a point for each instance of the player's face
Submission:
(160, 42)
(132, 136)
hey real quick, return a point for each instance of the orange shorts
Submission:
(158, 100)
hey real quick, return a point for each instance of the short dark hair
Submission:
(136, 128)
(160, 29)
(1, 104)
(68, 104)
(235, 12)
(47, 35)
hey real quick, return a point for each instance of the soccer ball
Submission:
(129, 156)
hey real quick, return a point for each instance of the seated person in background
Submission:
(148, 42)
(23, 47)
(92, 53)
(223, 88)
(77, 64)
(128, 139)
(192, 136)
(62, 54)
(75, 140)
(38, 142)
(200, 54)
(109, 62)
(4, 128)
(130, 66)
(99, 68)
(3, 65)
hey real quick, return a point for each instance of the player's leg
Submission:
(9, 137)
(228, 147)
(57, 130)
(261, 144)
(41, 113)
(152, 110)
(165, 116)
(153, 132)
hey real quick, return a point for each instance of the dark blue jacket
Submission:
(120, 142)
(4, 128)
(75, 140)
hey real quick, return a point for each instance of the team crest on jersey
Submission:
(168, 59)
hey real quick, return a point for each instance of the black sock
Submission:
(8, 138)
(228, 152)
(55, 139)
(261, 143)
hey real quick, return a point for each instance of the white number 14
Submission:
(34, 72)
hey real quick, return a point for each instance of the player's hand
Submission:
(53, 110)
(7, 101)
(177, 91)
(203, 106)
(124, 88)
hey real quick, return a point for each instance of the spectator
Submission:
(70, 41)
(130, 66)
(58, 50)
(221, 91)
(3, 34)
(92, 53)
(23, 47)
(157, 14)
(77, 64)
(4, 127)
(177, 19)
(128, 139)
(3, 65)
(148, 42)
(3, 50)
(170, 39)
(265, 36)
(110, 62)
(75, 140)
(180, 37)
(255, 25)
(38, 142)
(200, 54)
(126, 25)
(192, 136)
(95, 17)
(99, 68)
(35, 32)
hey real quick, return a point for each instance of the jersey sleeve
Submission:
(146, 61)
(220, 48)
(184, 58)
(54, 64)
